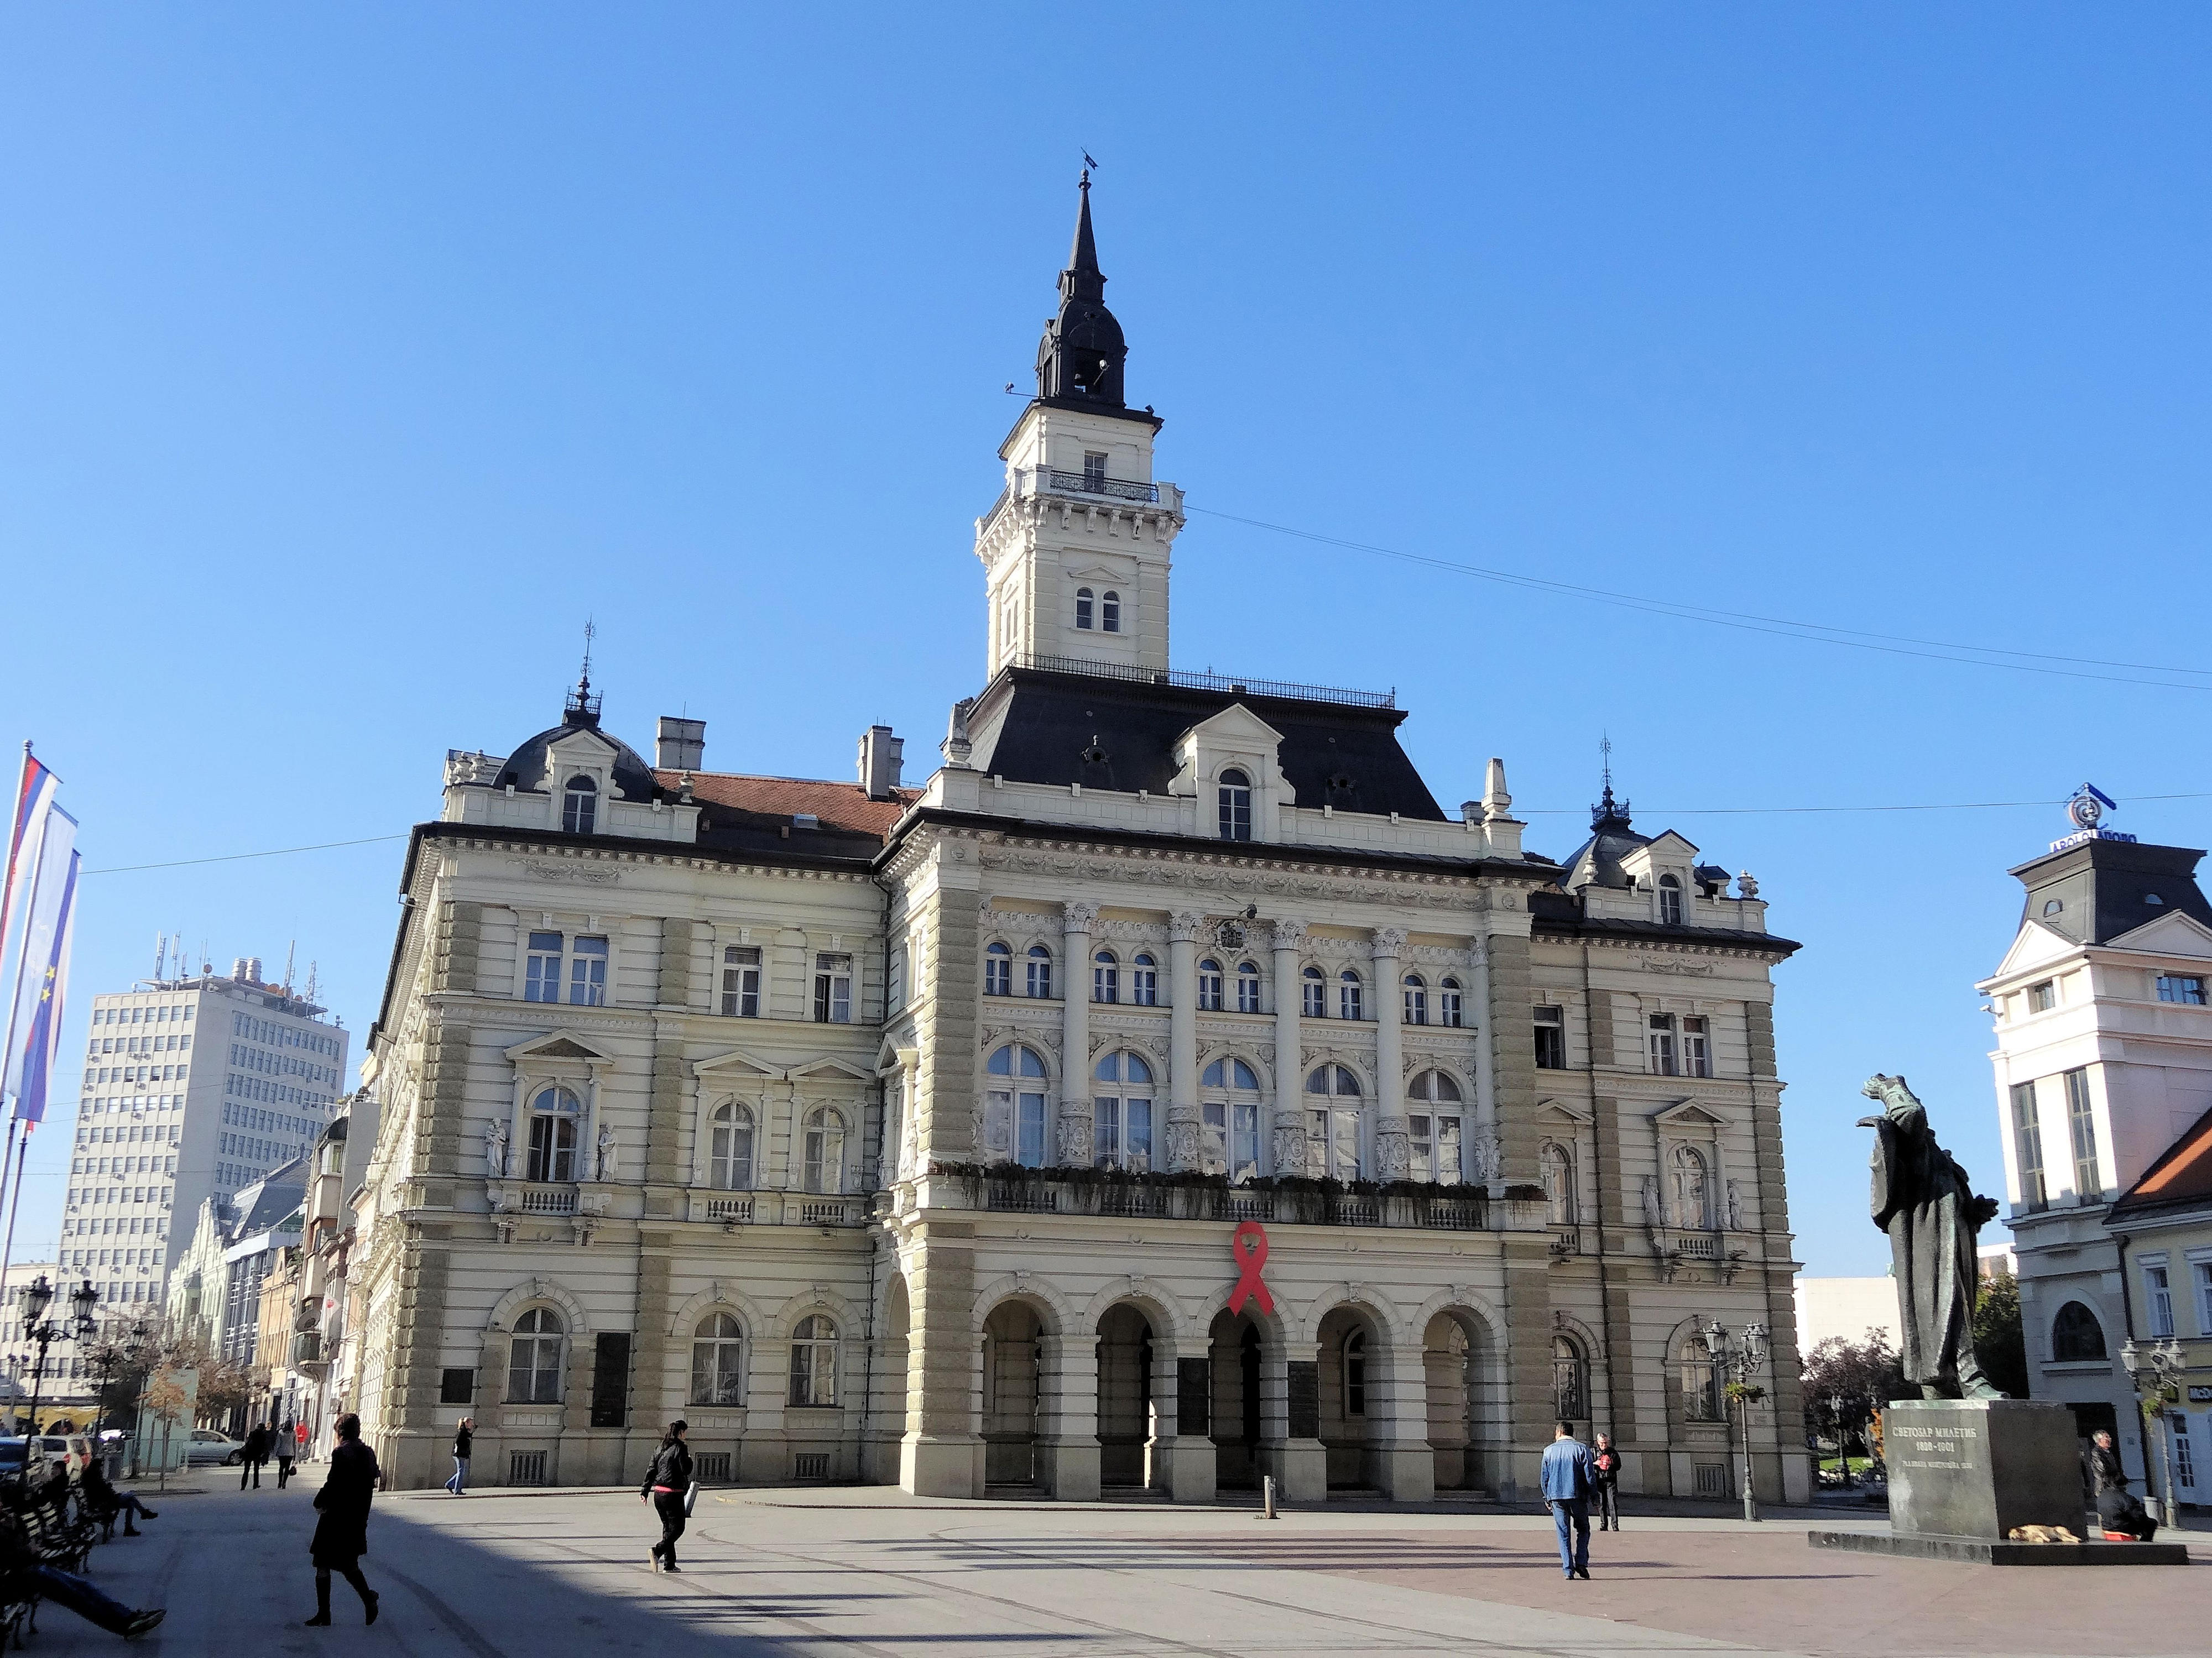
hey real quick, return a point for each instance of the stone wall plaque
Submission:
(1304, 1398)
(1978, 1467)
(1193, 1394)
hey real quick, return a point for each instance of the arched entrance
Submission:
(1125, 1396)
(887, 1387)
(1458, 1361)
(1234, 1355)
(1012, 1336)
(1350, 1363)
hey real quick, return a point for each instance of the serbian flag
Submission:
(42, 1045)
(35, 796)
(51, 859)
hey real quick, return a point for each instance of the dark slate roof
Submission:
(2103, 888)
(526, 767)
(739, 813)
(267, 1202)
(1612, 838)
(1062, 728)
(2180, 1179)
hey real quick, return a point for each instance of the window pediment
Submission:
(1558, 1112)
(831, 1070)
(559, 1045)
(735, 1066)
(1688, 1115)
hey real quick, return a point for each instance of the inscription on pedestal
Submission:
(1978, 1467)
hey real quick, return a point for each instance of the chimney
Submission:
(880, 754)
(238, 967)
(253, 969)
(682, 744)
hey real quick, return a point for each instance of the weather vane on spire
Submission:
(1605, 756)
(1605, 814)
(1089, 166)
(582, 706)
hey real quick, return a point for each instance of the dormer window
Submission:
(1109, 614)
(580, 805)
(1083, 600)
(1670, 902)
(1235, 795)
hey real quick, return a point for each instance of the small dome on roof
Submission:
(525, 768)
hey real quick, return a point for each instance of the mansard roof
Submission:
(2106, 888)
(525, 768)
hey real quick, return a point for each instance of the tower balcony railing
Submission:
(1085, 483)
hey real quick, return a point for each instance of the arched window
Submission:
(1437, 1129)
(1670, 902)
(1247, 986)
(718, 1365)
(1229, 1115)
(1234, 795)
(1449, 1005)
(2076, 1335)
(1105, 977)
(555, 1116)
(730, 1160)
(1144, 981)
(580, 805)
(1355, 1374)
(1013, 1106)
(1570, 1380)
(1083, 597)
(1313, 986)
(825, 1150)
(1351, 996)
(1416, 1000)
(1331, 1124)
(533, 1358)
(1685, 1168)
(814, 1361)
(1121, 1113)
(1040, 963)
(1209, 986)
(1109, 614)
(1697, 1378)
(1555, 1167)
(998, 970)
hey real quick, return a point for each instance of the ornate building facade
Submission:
(901, 1134)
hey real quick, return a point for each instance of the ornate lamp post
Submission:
(1739, 1361)
(37, 1295)
(2155, 1369)
(1837, 1403)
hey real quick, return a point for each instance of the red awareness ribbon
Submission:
(1248, 1243)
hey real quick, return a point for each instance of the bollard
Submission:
(1267, 1494)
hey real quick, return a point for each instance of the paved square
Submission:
(809, 1573)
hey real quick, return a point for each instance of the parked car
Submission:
(51, 1448)
(210, 1448)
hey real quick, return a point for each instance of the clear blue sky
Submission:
(354, 356)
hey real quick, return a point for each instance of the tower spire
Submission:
(581, 707)
(1607, 815)
(1080, 358)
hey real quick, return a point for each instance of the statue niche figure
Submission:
(1924, 1199)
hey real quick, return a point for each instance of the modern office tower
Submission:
(194, 1087)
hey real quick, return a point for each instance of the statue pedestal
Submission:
(1963, 1472)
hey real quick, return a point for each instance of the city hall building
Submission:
(900, 1133)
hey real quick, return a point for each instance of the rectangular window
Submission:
(1105, 979)
(1040, 971)
(1028, 1144)
(1417, 1002)
(2158, 1300)
(2205, 1297)
(1332, 1144)
(1663, 1062)
(2042, 997)
(833, 989)
(1214, 1137)
(1550, 1039)
(587, 973)
(2185, 1458)
(2185, 988)
(542, 980)
(1094, 471)
(2082, 1121)
(1696, 1047)
(741, 981)
(1209, 988)
(1247, 989)
(2027, 1146)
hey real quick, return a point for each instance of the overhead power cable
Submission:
(1765, 811)
(1933, 650)
(236, 857)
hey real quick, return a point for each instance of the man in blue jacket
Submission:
(1570, 1476)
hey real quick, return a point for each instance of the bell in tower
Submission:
(1079, 359)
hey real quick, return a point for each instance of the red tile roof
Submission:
(2182, 1172)
(839, 805)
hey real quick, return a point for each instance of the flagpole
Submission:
(8, 882)
(15, 1203)
(7, 1055)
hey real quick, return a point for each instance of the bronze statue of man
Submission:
(1923, 1200)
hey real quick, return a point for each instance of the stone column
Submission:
(1290, 1147)
(1075, 1145)
(1068, 1395)
(1183, 1457)
(942, 1452)
(1182, 1147)
(1394, 1158)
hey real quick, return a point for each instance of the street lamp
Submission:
(1739, 1361)
(39, 1296)
(2155, 1369)
(1836, 1404)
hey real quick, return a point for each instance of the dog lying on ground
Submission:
(2041, 1534)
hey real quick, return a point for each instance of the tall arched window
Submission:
(825, 1150)
(1416, 1000)
(1435, 1126)
(1685, 1167)
(1083, 599)
(1351, 996)
(1209, 986)
(1697, 1378)
(1013, 1106)
(1449, 1011)
(718, 1361)
(1234, 796)
(1570, 1380)
(1313, 988)
(1331, 1124)
(2076, 1335)
(1247, 986)
(1109, 614)
(533, 1358)
(1144, 981)
(730, 1148)
(998, 970)
(555, 1116)
(1105, 977)
(1555, 1166)
(814, 1361)
(1121, 1113)
(1670, 902)
(580, 805)
(1040, 974)
(1229, 1112)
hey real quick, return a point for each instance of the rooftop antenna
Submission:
(311, 980)
(160, 955)
(289, 948)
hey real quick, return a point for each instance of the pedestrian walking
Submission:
(342, 1534)
(253, 1455)
(668, 1488)
(1607, 1483)
(463, 1435)
(1569, 1477)
(300, 1433)
(283, 1443)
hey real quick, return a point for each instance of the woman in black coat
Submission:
(342, 1534)
(667, 1484)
